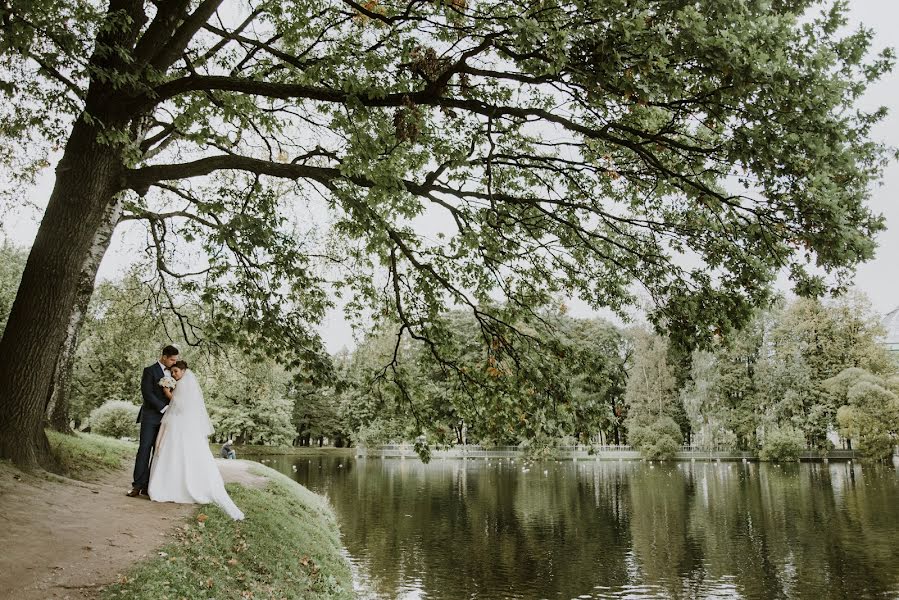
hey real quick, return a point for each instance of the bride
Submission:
(183, 468)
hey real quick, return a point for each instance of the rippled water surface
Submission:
(456, 529)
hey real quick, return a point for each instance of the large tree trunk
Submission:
(57, 410)
(87, 180)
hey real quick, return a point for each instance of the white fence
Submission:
(579, 452)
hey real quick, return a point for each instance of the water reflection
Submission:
(483, 529)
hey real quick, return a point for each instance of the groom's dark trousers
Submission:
(149, 417)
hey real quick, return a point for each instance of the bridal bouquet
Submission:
(168, 382)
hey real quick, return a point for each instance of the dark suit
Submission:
(149, 417)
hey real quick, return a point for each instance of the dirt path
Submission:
(61, 538)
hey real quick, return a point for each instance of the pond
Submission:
(479, 529)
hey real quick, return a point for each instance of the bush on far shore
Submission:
(784, 444)
(115, 418)
(660, 440)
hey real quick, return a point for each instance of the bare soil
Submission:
(61, 538)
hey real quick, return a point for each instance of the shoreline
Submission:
(620, 454)
(254, 450)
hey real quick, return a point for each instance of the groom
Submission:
(150, 416)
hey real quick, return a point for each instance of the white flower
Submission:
(168, 382)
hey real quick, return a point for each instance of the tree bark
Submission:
(87, 181)
(57, 410)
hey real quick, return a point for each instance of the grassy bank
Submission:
(288, 450)
(288, 546)
(86, 456)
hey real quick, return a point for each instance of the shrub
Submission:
(379, 431)
(660, 440)
(783, 444)
(876, 410)
(115, 418)
(541, 447)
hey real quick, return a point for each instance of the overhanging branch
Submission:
(141, 179)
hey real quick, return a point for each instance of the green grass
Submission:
(288, 547)
(86, 455)
(287, 450)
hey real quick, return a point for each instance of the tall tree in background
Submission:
(723, 395)
(868, 410)
(121, 335)
(575, 147)
(809, 342)
(568, 384)
(595, 363)
(654, 407)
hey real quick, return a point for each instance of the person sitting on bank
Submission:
(227, 450)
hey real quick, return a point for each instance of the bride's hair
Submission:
(181, 364)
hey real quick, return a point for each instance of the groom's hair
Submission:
(181, 364)
(170, 351)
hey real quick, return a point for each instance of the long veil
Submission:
(188, 405)
(183, 469)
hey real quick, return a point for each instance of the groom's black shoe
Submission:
(134, 493)
(144, 492)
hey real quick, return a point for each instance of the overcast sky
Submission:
(879, 279)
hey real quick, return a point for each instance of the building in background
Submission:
(891, 324)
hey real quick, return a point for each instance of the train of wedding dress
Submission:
(183, 468)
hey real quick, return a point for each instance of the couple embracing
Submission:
(174, 427)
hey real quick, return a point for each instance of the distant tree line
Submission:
(801, 376)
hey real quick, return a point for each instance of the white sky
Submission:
(879, 279)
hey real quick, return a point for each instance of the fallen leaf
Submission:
(201, 517)
(232, 561)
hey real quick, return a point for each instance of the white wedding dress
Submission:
(183, 468)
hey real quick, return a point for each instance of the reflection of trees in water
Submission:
(479, 525)
(573, 533)
(659, 496)
(729, 521)
(781, 531)
(823, 531)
